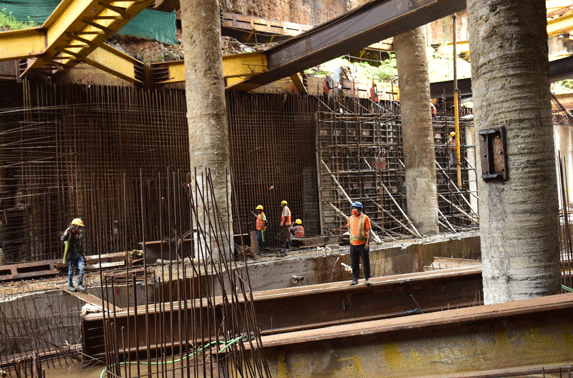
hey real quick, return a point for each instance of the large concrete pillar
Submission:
(417, 132)
(518, 217)
(205, 92)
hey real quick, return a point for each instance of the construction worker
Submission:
(261, 226)
(74, 253)
(286, 223)
(373, 93)
(326, 85)
(297, 230)
(453, 147)
(374, 97)
(359, 228)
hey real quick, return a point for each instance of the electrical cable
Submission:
(228, 344)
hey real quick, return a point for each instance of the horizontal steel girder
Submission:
(373, 22)
(559, 25)
(115, 62)
(306, 307)
(558, 70)
(236, 68)
(484, 341)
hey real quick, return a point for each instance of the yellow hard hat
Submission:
(259, 207)
(453, 134)
(283, 202)
(77, 222)
(298, 221)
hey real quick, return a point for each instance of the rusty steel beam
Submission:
(370, 23)
(499, 340)
(29, 270)
(559, 69)
(307, 307)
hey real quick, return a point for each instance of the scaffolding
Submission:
(360, 158)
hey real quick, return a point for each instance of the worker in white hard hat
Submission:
(297, 230)
(286, 223)
(261, 226)
(73, 239)
(453, 144)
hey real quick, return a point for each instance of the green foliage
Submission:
(563, 86)
(441, 65)
(440, 68)
(385, 72)
(9, 21)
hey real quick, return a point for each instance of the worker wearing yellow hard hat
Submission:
(73, 239)
(286, 223)
(298, 230)
(261, 226)
(453, 145)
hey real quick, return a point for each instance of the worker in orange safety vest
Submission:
(359, 228)
(286, 223)
(297, 230)
(261, 226)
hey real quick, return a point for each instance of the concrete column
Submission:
(206, 109)
(417, 131)
(518, 217)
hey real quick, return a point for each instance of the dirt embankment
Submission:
(308, 12)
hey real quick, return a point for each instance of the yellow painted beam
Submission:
(551, 4)
(89, 21)
(297, 81)
(235, 68)
(560, 25)
(115, 62)
(22, 44)
(240, 65)
(461, 47)
(175, 71)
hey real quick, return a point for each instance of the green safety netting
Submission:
(151, 24)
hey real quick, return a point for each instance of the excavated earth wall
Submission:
(308, 12)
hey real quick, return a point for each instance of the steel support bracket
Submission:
(493, 154)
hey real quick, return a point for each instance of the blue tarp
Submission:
(151, 24)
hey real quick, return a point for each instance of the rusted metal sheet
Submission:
(493, 154)
(50, 268)
(8, 70)
(247, 22)
(484, 341)
(36, 269)
(307, 307)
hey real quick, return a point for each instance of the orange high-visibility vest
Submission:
(261, 219)
(358, 228)
(286, 216)
(298, 231)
